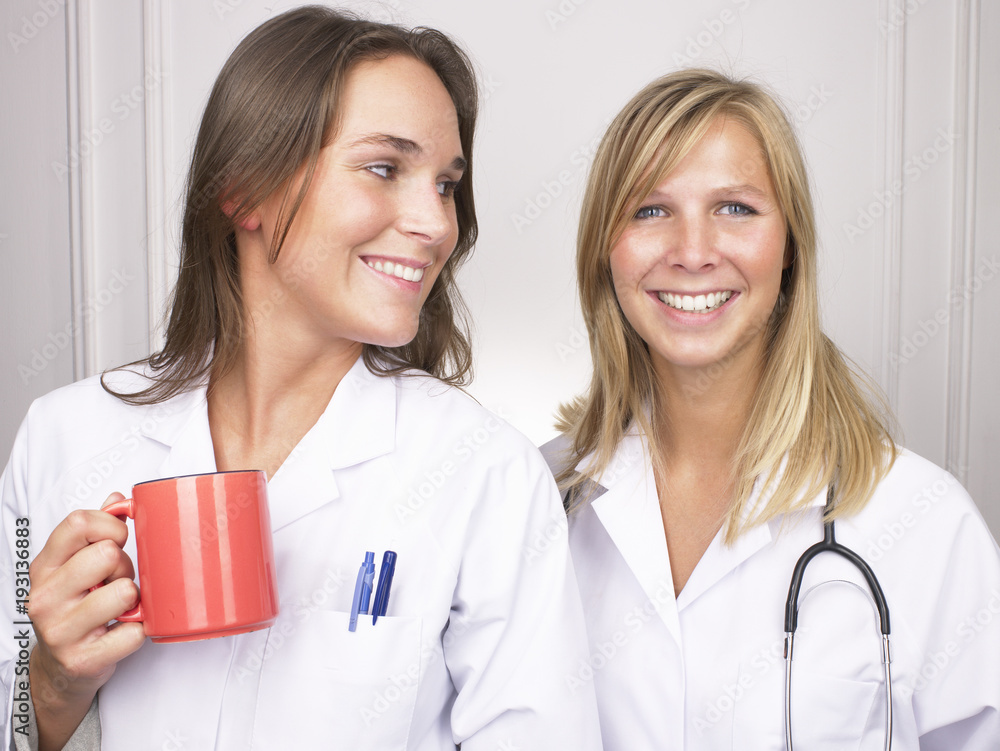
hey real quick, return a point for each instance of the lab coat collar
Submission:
(628, 507)
(357, 425)
(629, 510)
(360, 422)
(181, 424)
(720, 559)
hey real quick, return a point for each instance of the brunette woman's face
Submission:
(378, 220)
(697, 270)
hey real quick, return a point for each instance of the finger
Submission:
(99, 562)
(68, 585)
(102, 653)
(121, 565)
(75, 532)
(92, 659)
(107, 603)
(87, 619)
(122, 639)
(113, 498)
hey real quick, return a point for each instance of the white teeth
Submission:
(695, 303)
(408, 273)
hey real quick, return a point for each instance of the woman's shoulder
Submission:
(630, 453)
(452, 410)
(912, 478)
(84, 418)
(917, 494)
(87, 399)
(75, 401)
(80, 433)
(421, 392)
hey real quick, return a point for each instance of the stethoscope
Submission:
(830, 544)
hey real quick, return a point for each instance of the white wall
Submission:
(36, 286)
(895, 101)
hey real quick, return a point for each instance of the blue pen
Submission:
(384, 583)
(362, 590)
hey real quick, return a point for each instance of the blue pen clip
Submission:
(362, 590)
(384, 583)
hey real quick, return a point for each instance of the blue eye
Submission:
(648, 212)
(737, 209)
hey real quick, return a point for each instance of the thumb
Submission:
(113, 498)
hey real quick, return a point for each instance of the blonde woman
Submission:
(720, 429)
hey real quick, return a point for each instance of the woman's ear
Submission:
(250, 222)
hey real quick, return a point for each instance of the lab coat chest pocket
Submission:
(829, 713)
(341, 689)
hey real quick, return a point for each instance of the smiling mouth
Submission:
(398, 270)
(695, 303)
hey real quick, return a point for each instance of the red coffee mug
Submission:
(205, 557)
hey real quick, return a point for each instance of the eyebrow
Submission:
(744, 188)
(403, 146)
(725, 190)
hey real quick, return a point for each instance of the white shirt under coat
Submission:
(483, 619)
(705, 670)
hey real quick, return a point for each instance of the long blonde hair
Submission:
(813, 419)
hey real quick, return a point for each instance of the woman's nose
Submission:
(427, 216)
(693, 245)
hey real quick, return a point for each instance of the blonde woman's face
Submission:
(697, 270)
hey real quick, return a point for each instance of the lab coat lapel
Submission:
(630, 512)
(181, 424)
(720, 559)
(358, 424)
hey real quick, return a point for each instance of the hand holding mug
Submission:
(77, 651)
(206, 566)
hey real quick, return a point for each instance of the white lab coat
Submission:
(705, 670)
(483, 619)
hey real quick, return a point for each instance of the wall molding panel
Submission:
(963, 241)
(79, 75)
(155, 21)
(891, 118)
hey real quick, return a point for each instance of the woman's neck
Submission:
(698, 429)
(275, 392)
(703, 412)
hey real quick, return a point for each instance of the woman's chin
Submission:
(397, 338)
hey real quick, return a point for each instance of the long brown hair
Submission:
(272, 109)
(812, 414)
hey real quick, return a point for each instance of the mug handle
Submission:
(123, 509)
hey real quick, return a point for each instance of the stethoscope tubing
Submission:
(829, 544)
